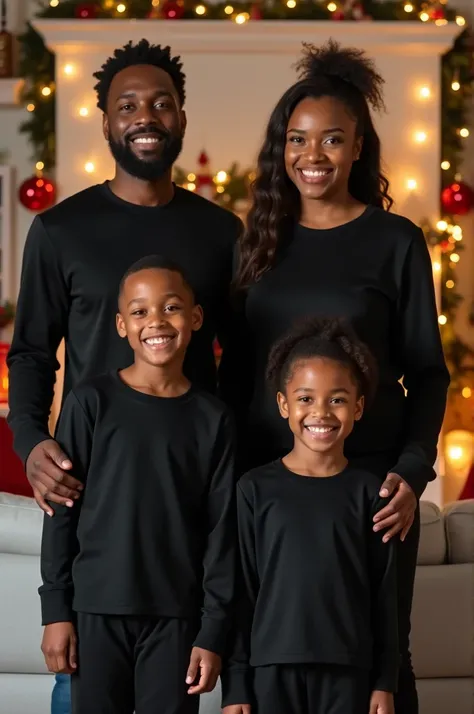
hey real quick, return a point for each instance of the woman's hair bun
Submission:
(347, 64)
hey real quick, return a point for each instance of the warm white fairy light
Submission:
(445, 165)
(69, 69)
(442, 226)
(53, 3)
(89, 167)
(46, 91)
(221, 176)
(412, 184)
(464, 132)
(424, 17)
(436, 266)
(425, 92)
(408, 7)
(83, 112)
(460, 20)
(228, 9)
(200, 10)
(291, 4)
(242, 18)
(454, 257)
(420, 137)
(450, 284)
(467, 392)
(442, 319)
(332, 7)
(121, 8)
(30, 107)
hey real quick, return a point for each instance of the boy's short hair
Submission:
(156, 262)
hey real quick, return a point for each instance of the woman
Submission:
(321, 242)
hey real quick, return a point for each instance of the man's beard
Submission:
(147, 169)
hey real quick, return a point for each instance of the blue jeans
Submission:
(61, 696)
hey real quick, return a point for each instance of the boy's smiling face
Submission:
(157, 315)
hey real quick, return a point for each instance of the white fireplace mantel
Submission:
(234, 76)
(264, 36)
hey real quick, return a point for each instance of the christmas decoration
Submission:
(172, 10)
(37, 193)
(256, 12)
(86, 11)
(457, 199)
(437, 13)
(204, 183)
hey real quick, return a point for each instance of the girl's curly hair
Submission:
(328, 338)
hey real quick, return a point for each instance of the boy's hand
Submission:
(59, 647)
(237, 709)
(205, 664)
(381, 703)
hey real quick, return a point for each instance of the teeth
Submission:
(319, 429)
(157, 340)
(145, 140)
(314, 174)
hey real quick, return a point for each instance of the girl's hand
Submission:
(59, 647)
(237, 709)
(381, 703)
(399, 514)
(207, 666)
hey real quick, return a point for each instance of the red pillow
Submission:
(12, 474)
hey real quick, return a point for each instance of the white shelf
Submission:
(10, 92)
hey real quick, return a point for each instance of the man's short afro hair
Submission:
(141, 53)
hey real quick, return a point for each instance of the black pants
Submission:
(132, 664)
(406, 699)
(311, 689)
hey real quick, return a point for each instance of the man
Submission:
(76, 253)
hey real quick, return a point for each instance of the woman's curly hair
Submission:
(350, 76)
(328, 338)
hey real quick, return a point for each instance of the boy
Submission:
(138, 575)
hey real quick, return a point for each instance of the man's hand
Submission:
(46, 468)
(237, 709)
(399, 514)
(381, 703)
(59, 647)
(206, 665)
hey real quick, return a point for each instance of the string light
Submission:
(228, 9)
(445, 165)
(30, 107)
(454, 257)
(450, 284)
(121, 7)
(291, 4)
(420, 137)
(191, 177)
(83, 112)
(412, 184)
(460, 20)
(89, 167)
(191, 186)
(241, 18)
(39, 166)
(424, 17)
(464, 132)
(425, 92)
(441, 22)
(220, 189)
(53, 3)
(442, 226)
(332, 7)
(200, 10)
(457, 232)
(69, 69)
(221, 176)
(46, 91)
(436, 266)
(442, 319)
(455, 85)
(408, 7)
(467, 392)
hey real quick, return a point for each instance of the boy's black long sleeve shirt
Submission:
(153, 533)
(75, 256)
(319, 584)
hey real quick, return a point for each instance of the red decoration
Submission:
(468, 489)
(256, 12)
(173, 9)
(204, 182)
(445, 245)
(338, 15)
(87, 11)
(437, 13)
(457, 199)
(37, 193)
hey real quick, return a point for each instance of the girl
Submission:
(320, 585)
(320, 241)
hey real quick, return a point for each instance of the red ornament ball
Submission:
(256, 12)
(87, 11)
(37, 193)
(438, 14)
(457, 199)
(172, 10)
(338, 16)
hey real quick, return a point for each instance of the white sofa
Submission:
(443, 613)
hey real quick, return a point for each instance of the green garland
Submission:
(37, 69)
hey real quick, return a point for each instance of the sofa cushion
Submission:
(432, 549)
(442, 641)
(446, 696)
(21, 522)
(459, 526)
(26, 693)
(20, 615)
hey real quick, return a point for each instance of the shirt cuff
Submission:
(415, 472)
(236, 688)
(386, 680)
(25, 441)
(56, 606)
(213, 635)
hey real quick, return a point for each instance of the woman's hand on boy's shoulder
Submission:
(237, 709)
(59, 647)
(381, 703)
